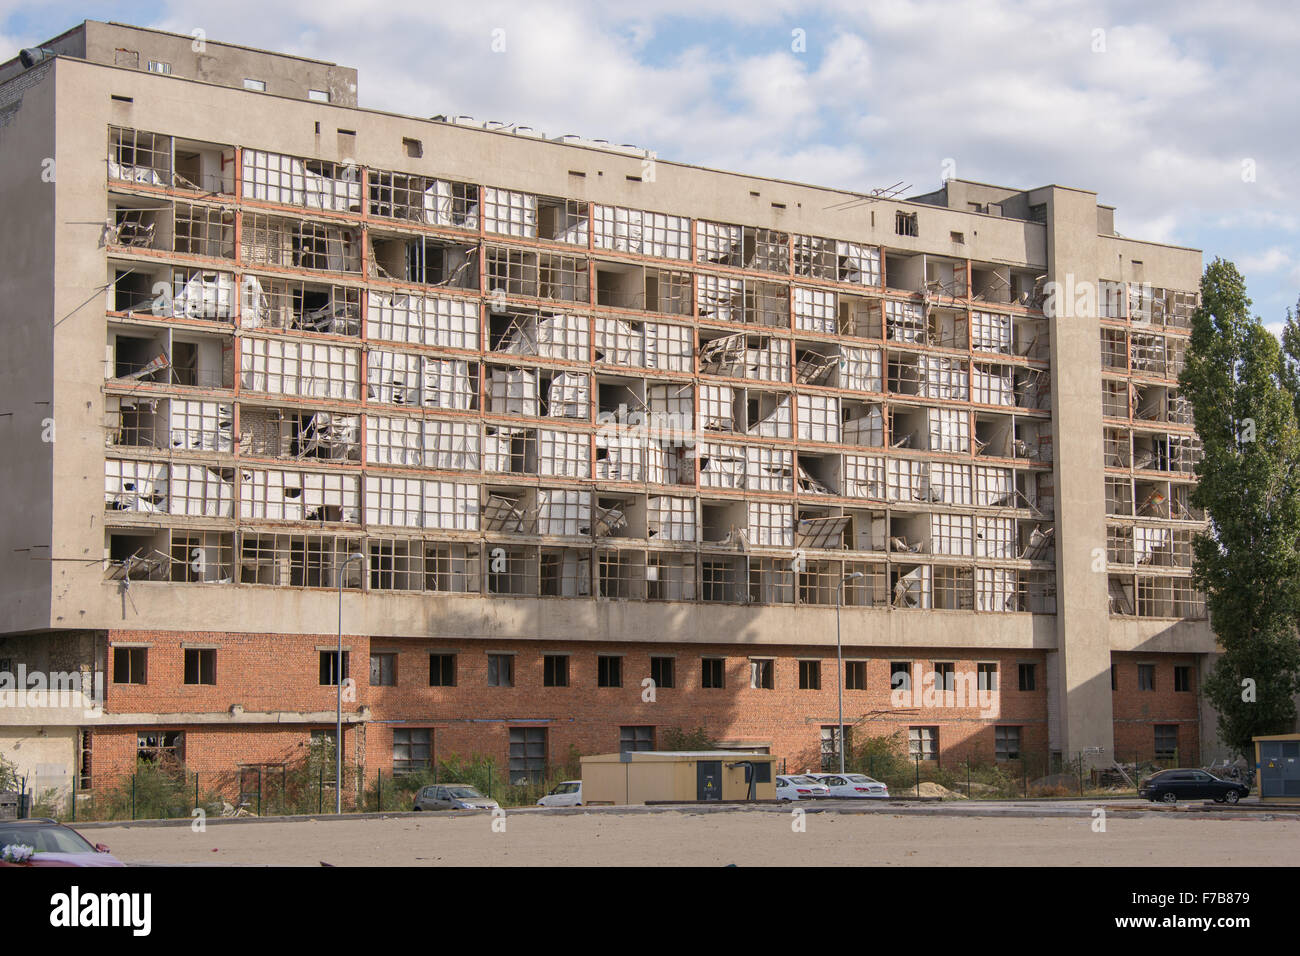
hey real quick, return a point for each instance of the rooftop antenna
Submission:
(880, 192)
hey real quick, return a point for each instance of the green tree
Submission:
(1248, 561)
(674, 738)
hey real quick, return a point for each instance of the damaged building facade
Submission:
(593, 443)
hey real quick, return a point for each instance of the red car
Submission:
(54, 844)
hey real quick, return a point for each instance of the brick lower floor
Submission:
(534, 707)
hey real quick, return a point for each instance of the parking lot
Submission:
(1063, 833)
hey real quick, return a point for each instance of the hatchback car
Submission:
(855, 785)
(54, 844)
(453, 796)
(566, 794)
(1170, 786)
(799, 787)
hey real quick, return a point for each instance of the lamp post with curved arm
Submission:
(839, 663)
(338, 686)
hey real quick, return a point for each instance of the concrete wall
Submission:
(30, 320)
(195, 57)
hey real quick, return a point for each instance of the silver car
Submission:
(453, 796)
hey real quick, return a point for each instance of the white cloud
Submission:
(1158, 124)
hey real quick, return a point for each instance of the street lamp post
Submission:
(839, 663)
(338, 686)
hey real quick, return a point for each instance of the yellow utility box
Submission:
(687, 776)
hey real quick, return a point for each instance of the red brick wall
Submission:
(1136, 712)
(260, 672)
(278, 673)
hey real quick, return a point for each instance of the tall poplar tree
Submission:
(1243, 397)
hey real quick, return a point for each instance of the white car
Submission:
(857, 785)
(566, 794)
(799, 787)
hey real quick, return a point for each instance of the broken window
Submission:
(291, 181)
(949, 430)
(863, 425)
(135, 486)
(859, 317)
(135, 422)
(298, 560)
(996, 590)
(427, 261)
(953, 591)
(436, 202)
(814, 310)
(720, 298)
(818, 418)
(1118, 447)
(201, 557)
(992, 385)
(905, 224)
(509, 450)
(620, 574)
(995, 537)
(299, 496)
(1114, 398)
(864, 477)
(746, 356)
(563, 512)
(136, 156)
(299, 244)
(563, 454)
(553, 335)
(991, 332)
(771, 524)
(1114, 348)
(814, 257)
(512, 570)
(562, 220)
(204, 231)
(309, 369)
(670, 576)
(671, 519)
(564, 572)
(646, 233)
(904, 322)
(993, 487)
(950, 483)
(719, 243)
(509, 213)
(722, 465)
(911, 585)
(1032, 387)
(771, 581)
(907, 479)
(512, 391)
(1147, 354)
(295, 304)
(201, 491)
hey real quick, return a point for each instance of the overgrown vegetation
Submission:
(675, 738)
(387, 791)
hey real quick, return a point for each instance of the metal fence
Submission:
(154, 792)
(162, 792)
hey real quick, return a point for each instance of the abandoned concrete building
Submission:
(588, 444)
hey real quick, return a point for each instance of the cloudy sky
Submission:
(1181, 114)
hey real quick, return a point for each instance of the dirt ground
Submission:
(743, 836)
